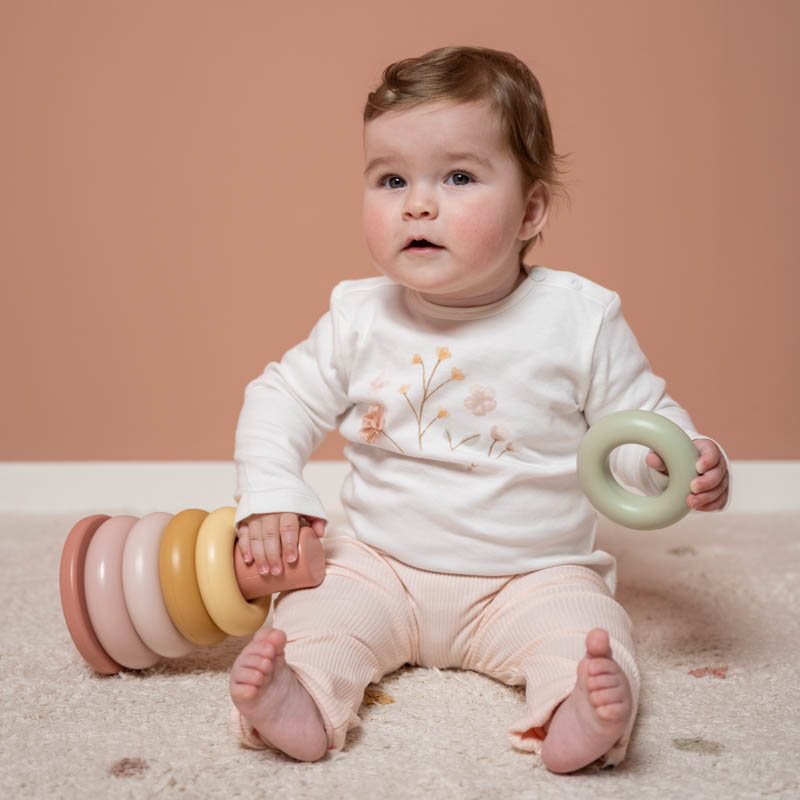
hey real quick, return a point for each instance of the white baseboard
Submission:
(137, 487)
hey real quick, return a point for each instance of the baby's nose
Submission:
(419, 204)
(418, 212)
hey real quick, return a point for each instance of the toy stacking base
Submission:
(134, 590)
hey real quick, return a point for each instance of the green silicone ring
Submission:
(612, 500)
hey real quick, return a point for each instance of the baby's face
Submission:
(441, 172)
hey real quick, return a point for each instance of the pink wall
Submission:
(181, 187)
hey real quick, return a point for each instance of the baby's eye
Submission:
(394, 181)
(461, 178)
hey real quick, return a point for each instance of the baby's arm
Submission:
(621, 379)
(268, 539)
(287, 411)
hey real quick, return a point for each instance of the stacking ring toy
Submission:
(105, 598)
(134, 590)
(179, 579)
(141, 586)
(216, 577)
(73, 596)
(618, 504)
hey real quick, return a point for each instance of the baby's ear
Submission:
(536, 210)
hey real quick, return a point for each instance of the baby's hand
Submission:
(269, 538)
(709, 491)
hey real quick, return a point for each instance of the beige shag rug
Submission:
(714, 601)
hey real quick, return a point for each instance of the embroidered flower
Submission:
(480, 401)
(499, 433)
(378, 382)
(372, 423)
(429, 389)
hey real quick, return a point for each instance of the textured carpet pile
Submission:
(714, 601)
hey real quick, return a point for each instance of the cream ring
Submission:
(105, 598)
(176, 567)
(142, 587)
(216, 577)
(608, 497)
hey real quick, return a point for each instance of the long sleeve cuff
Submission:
(271, 502)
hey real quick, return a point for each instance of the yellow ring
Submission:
(217, 579)
(176, 569)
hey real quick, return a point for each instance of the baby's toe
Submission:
(598, 643)
(605, 680)
(261, 635)
(243, 693)
(246, 676)
(277, 639)
(603, 666)
(613, 712)
(269, 637)
(605, 697)
(250, 668)
(256, 661)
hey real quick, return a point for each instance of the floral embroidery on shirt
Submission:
(500, 433)
(378, 382)
(372, 426)
(463, 441)
(480, 400)
(442, 354)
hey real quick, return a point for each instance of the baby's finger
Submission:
(708, 480)
(243, 536)
(290, 530)
(272, 544)
(716, 505)
(318, 526)
(655, 461)
(705, 500)
(710, 455)
(257, 548)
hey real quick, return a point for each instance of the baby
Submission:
(463, 380)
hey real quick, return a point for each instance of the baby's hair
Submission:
(474, 74)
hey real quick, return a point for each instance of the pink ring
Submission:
(105, 598)
(142, 588)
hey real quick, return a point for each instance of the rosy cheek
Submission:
(376, 228)
(479, 233)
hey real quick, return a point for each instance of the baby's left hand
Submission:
(710, 488)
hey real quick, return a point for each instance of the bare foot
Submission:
(267, 693)
(591, 720)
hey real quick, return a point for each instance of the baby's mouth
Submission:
(422, 244)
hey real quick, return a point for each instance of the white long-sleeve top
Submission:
(463, 424)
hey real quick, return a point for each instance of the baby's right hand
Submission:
(269, 538)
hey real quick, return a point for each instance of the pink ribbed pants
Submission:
(372, 614)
